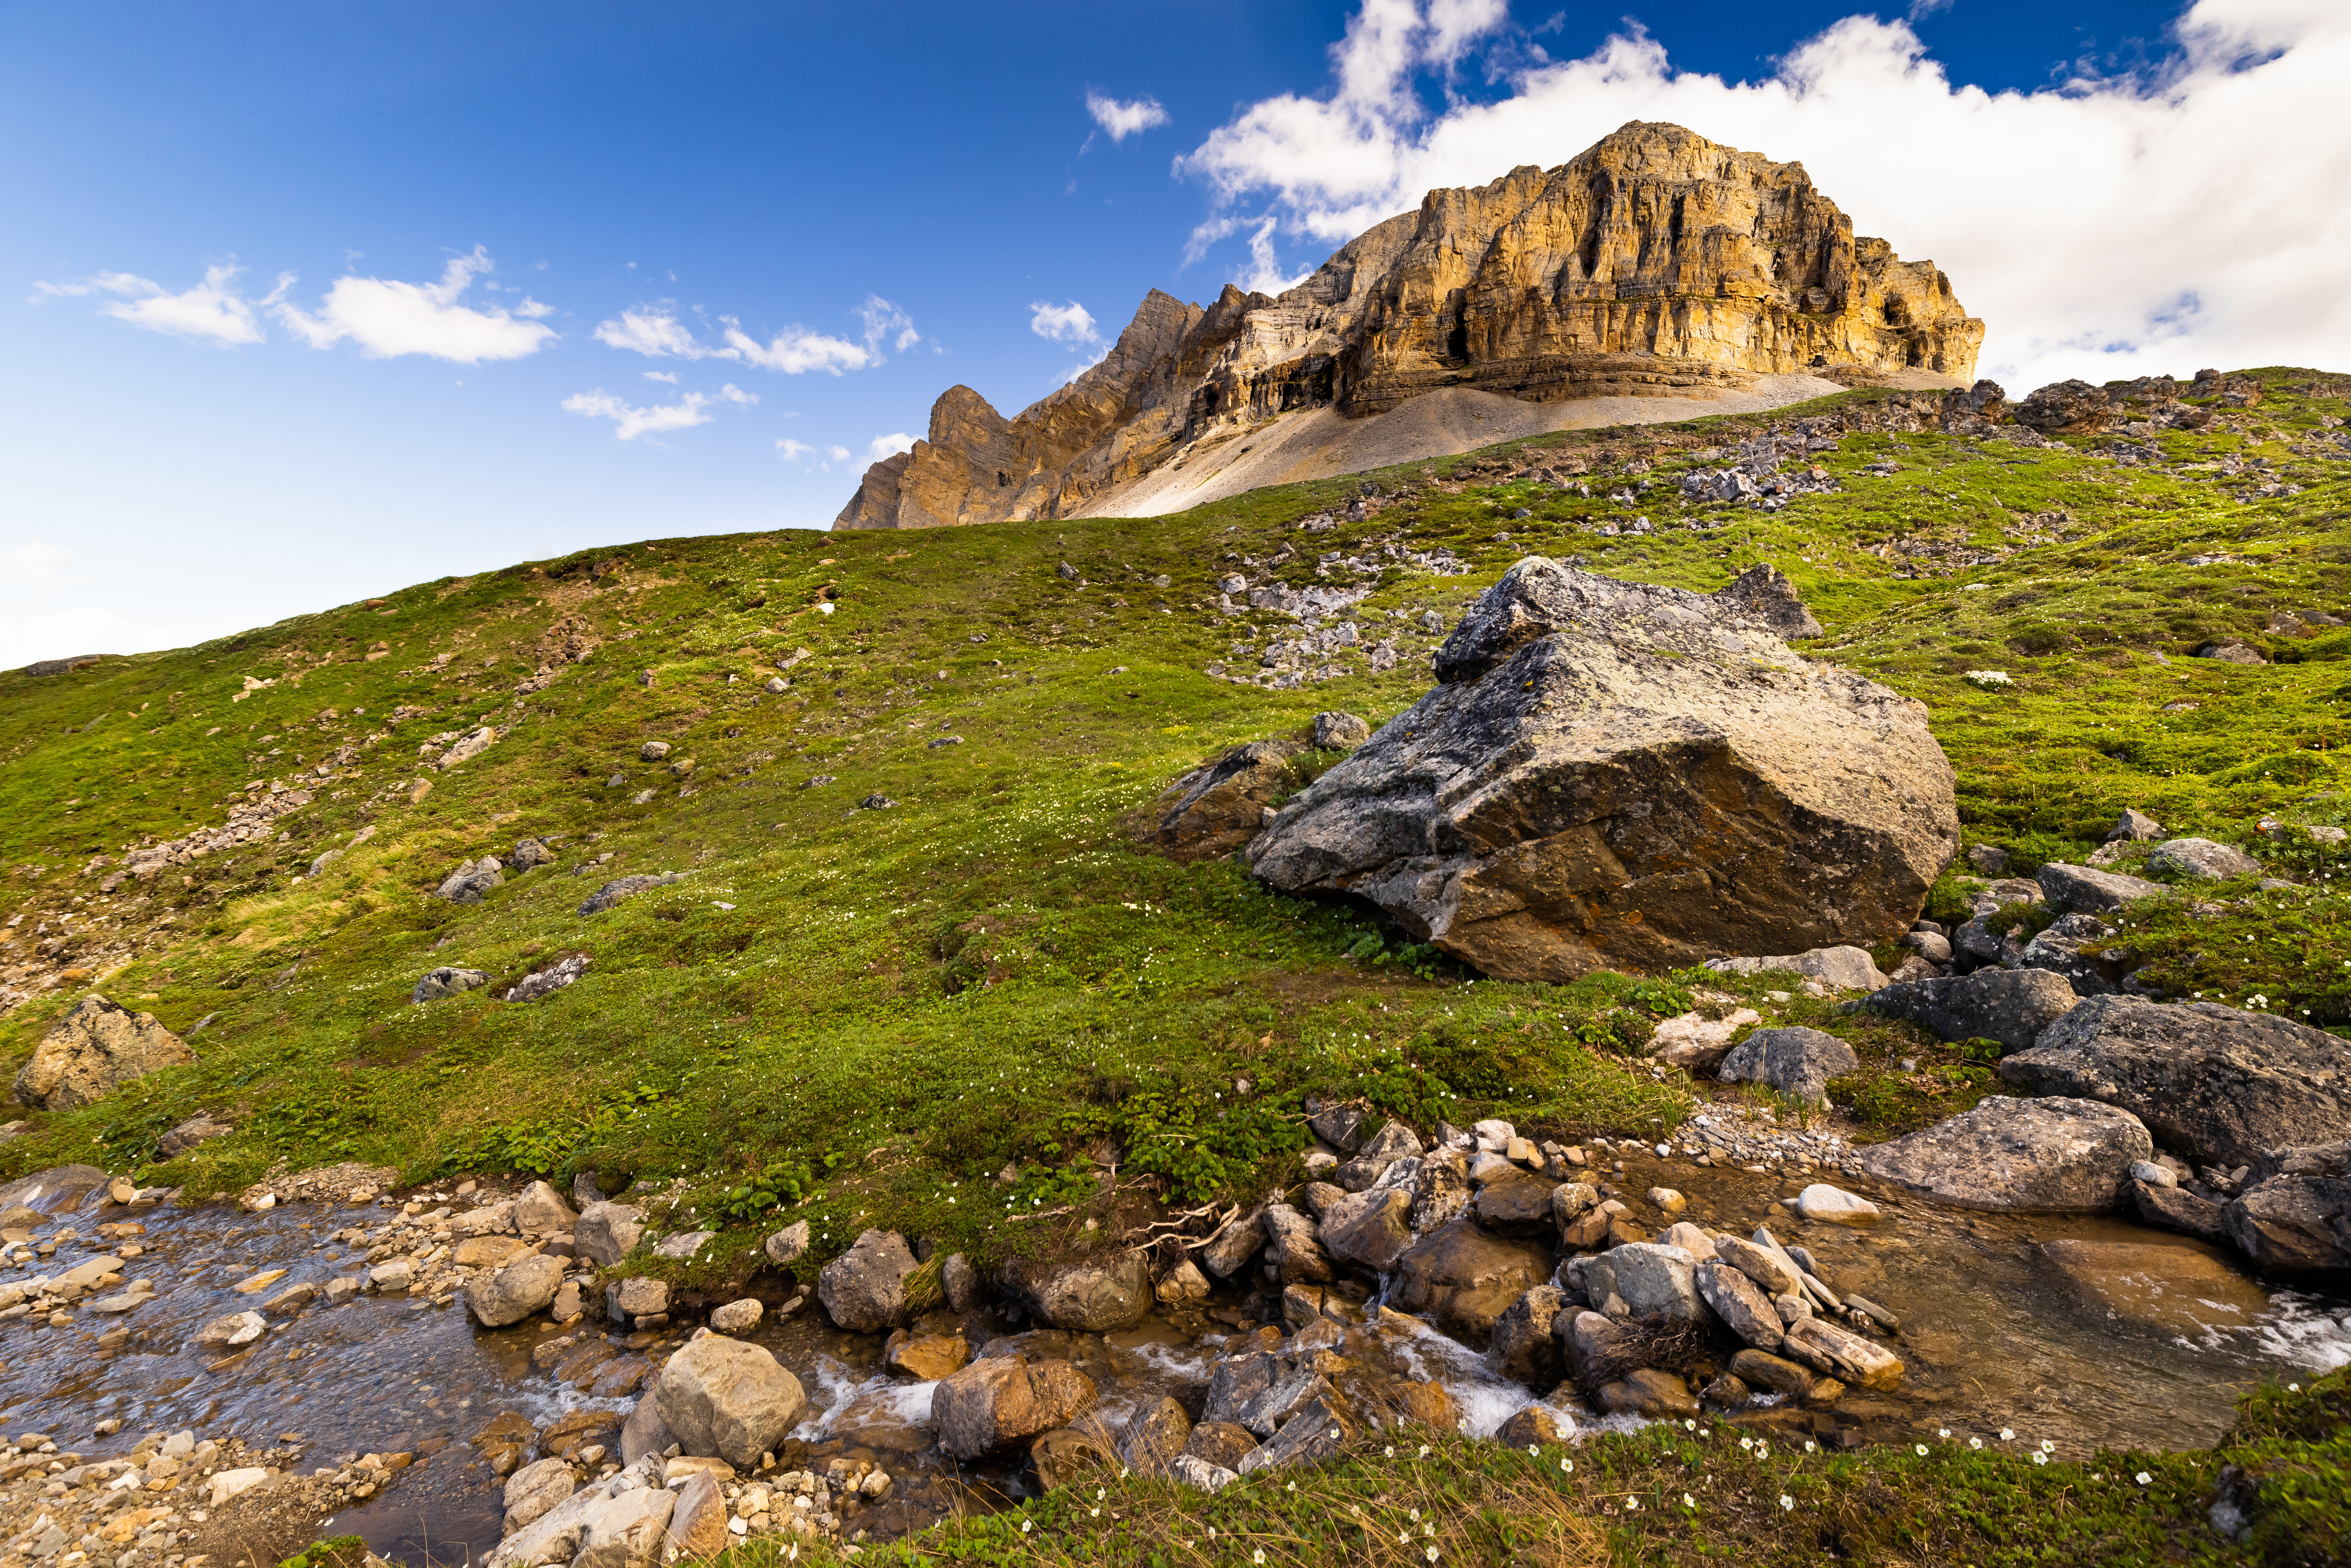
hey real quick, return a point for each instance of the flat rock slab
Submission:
(2058, 1155)
(2170, 1286)
(1618, 776)
(2219, 1084)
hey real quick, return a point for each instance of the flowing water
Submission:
(2084, 1331)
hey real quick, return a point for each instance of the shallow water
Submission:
(1994, 1336)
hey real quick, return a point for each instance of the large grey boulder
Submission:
(1002, 1400)
(1617, 776)
(511, 1293)
(93, 1051)
(607, 1233)
(470, 880)
(2085, 890)
(1798, 1062)
(864, 1289)
(722, 1396)
(2223, 1086)
(2011, 1005)
(1096, 1293)
(1216, 807)
(2203, 859)
(2068, 1156)
(2293, 1216)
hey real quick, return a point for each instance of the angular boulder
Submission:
(1293, 1244)
(1465, 1279)
(1613, 775)
(722, 1396)
(1216, 809)
(1844, 968)
(2085, 890)
(2054, 1155)
(2011, 1005)
(2293, 1215)
(1096, 1293)
(2223, 1086)
(1798, 1062)
(864, 1289)
(2203, 859)
(93, 1051)
(1740, 1303)
(1652, 1280)
(623, 887)
(518, 1288)
(607, 1233)
(1002, 1400)
(1523, 1347)
(447, 981)
(1369, 1231)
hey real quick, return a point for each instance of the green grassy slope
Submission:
(868, 1015)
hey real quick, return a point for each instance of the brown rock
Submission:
(1537, 1426)
(1220, 1443)
(1154, 1436)
(1648, 1392)
(1216, 807)
(92, 1052)
(1466, 1279)
(486, 1251)
(995, 1403)
(1069, 1453)
(925, 1358)
(573, 1429)
(1655, 263)
(697, 1526)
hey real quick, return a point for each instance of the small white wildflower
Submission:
(1808, 1445)
(2143, 1478)
(1258, 1557)
(1631, 1505)
(1786, 1502)
(1942, 1431)
(1567, 1466)
(2039, 1458)
(1391, 1450)
(2047, 1446)
(1922, 1450)
(2005, 1434)
(1025, 1526)
(1688, 1501)
(1975, 1442)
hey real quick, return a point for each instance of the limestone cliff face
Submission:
(1655, 263)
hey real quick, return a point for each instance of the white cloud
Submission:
(212, 309)
(655, 332)
(669, 376)
(1070, 323)
(796, 350)
(1074, 371)
(1123, 119)
(629, 422)
(837, 454)
(63, 633)
(388, 317)
(890, 445)
(2112, 226)
(793, 450)
(34, 561)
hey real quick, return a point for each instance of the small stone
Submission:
(1835, 1206)
(738, 1317)
(1667, 1199)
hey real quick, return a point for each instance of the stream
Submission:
(2086, 1332)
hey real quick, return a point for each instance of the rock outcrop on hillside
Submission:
(1611, 775)
(1655, 263)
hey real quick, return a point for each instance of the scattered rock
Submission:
(2292, 1213)
(1524, 1346)
(533, 1489)
(1464, 1279)
(926, 1358)
(787, 1244)
(540, 1211)
(1096, 1293)
(446, 982)
(738, 1317)
(1696, 1043)
(1369, 1230)
(1841, 1353)
(1215, 810)
(723, 1397)
(1840, 968)
(1002, 1400)
(2202, 859)
(1539, 1426)
(1798, 1062)
(1833, 1205)
(201, 1128)
(1652, 1280)
(2134, 827)
(607, 1233)
(1740, 1303)
(864, 1289)
(2082, 890)
(2060, 1156)
(1155, 1436)
(546, 981)
(517, 1290)
(1294, 1247)
(235, 1329)
(2221, 1084)
(637, 1297)
(1340, 731)
(93, 1051)
(470, 880)
(622, 887)
(2011, 1005)
(1751, 816)
(1649, 1392)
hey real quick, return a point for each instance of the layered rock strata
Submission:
(1656, 263)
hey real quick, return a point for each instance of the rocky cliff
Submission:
(1654, 264)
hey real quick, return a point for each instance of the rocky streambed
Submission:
(386, 1409)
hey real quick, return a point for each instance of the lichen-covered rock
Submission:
(1614, 775)
(2222, 1084)
(1216, 809)
(2011, 1005)
(2058, 1155)
(2203, 859)
(92, 1052)
(864, 1289)
(1798, 1062)
(1096, 1293)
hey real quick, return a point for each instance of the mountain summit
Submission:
(1655, 265)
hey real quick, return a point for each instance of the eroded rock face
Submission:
(92, 1052)
(1618, 776)
(2060, 1156)
(1655, 263)
(2223, 1085)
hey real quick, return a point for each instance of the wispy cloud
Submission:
(388, 317)
(882, 447)
(1070, 323)
(34, 561)
(1074, 371)
(1125, 117)
(793, 450)
(630, 421)
(655, 332)
(213, 311)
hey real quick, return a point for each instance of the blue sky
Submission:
(440, 239)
